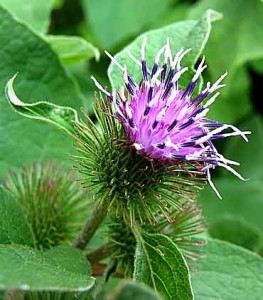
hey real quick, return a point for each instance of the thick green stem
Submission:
(91, 225)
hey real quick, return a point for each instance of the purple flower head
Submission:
(164, 122)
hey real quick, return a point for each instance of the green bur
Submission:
(55, 204)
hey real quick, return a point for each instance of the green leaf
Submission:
(257, 65)
(83, 76)
(242, 199)
(227, 272)
(237, 230)
(234, 101)
(238, 38)
(59, 269)
(62, 117)
(243, 152)
(160, 264)
(41, 76)
(72, 49)
(14, 227)
(34, 13)
(235, 41)
(113, 21)
(135, 291)
(184, 34)
(177, 13)
(57, 4)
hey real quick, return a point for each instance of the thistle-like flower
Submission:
(165, 123)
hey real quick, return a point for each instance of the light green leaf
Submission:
(238, 38)
(160, 264)
(62, 117)
(35, 14)
(72, 49)
(242, 199)
(14, 227)
(59, 269)
(184, 34)
(135, 291)
(41, 76)
(249, 155)
(113, 21)
(227, 272)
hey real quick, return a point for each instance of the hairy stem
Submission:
(91, 225)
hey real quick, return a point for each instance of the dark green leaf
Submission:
(136, 291)
(257, 65)
(113, 21)
(160, 264)
(14, 227)
(227, 272)
(59, 269)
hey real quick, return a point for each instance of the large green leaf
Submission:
(237, 230)
(72, 49)
(14, 227)
(41, 76)
(227, 272)
(35, 13)
(135, 291)
(243, 199)
(59, 269)
(184, 34)
(160, 264)
(248, 154)
(113, 21)
(238, 38)
(238, 217)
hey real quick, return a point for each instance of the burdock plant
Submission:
(145, 158)
(53, 201)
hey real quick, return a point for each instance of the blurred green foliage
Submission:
(55, 46)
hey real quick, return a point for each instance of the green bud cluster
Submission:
(54, 202)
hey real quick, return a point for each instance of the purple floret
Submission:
(164, 122)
